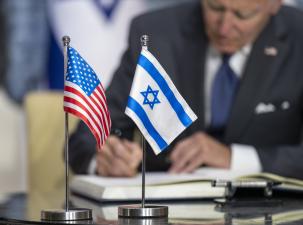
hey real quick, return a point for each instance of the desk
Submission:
(25, 209)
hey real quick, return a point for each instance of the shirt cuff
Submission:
(92, 166)
(244, 159)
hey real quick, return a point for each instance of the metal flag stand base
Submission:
(62, 215)
(148, 211)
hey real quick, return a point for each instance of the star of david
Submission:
(150, 97)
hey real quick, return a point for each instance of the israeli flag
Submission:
(155, 105)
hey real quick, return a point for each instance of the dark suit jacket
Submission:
(3, 53)
(179, 42)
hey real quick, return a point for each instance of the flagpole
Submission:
(143, 169)
(66, 41)
(67, 214)
(143, 211)
(144, 44)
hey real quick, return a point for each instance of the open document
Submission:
(165, 186)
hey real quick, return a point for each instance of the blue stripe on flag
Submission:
(176, 105)
(139, 111)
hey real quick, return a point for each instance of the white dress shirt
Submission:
(244, 157)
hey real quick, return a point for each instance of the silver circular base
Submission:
(143, 221)
(62, 215)
(136, 211)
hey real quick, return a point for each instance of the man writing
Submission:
(237, 63)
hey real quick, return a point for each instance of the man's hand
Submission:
(197, 150)
(119, 158)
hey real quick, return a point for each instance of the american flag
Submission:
(84, 96)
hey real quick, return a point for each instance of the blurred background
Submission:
(31, 61)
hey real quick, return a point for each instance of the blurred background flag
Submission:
(109, 19)
(155, 105)
(84, 96)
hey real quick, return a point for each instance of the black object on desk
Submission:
(231, 187)
(247, 193)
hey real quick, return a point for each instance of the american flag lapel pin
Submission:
(271, 51)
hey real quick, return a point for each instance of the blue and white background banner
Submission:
(155, 105)
(98, 28)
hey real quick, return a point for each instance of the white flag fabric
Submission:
(155, 105)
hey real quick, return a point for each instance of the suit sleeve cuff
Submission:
(245, 159)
